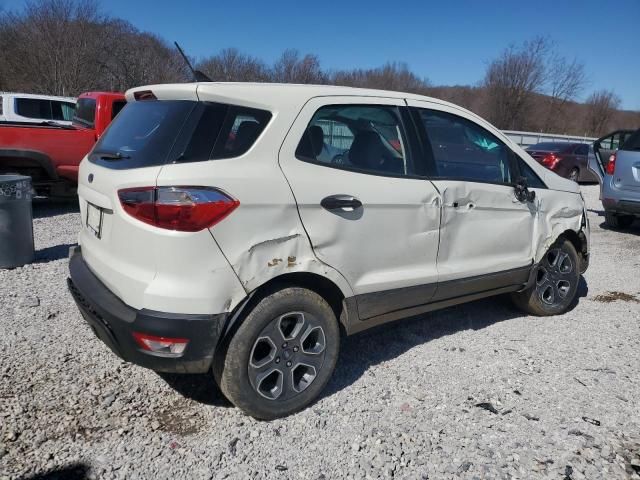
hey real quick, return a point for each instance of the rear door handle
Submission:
(338, 202)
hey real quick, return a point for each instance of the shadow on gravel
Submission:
(57, 252)
(74, 471)
(362, 351)
(44, 208)
(199, 387)
(634, 229)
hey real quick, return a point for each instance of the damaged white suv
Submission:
(241, 229)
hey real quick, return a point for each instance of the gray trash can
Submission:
(16, 221)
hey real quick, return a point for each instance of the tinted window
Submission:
(33, 108)
(62, 110)
(632, 142)
(85, 113)
(116, 107)
(547, 147)
(582, 150)
(365, 138)
(463, 150)
(150, 132)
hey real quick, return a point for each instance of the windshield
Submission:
(85, 112)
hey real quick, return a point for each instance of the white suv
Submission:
(243, 228)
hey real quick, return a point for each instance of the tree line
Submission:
(65, 47)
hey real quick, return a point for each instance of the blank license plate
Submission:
(94, 219)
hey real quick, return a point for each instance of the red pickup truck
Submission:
(50, 153)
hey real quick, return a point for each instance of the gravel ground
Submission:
(476, 391)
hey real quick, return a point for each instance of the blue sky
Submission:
(449, 42)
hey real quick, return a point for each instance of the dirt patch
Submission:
(609, 297)
(181, 418)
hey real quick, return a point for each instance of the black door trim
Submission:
(377, 308)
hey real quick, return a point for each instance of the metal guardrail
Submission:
(524, 139)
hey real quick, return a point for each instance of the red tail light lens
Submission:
(550, 161)
(611, 165)
(186, 209)
(165, 346)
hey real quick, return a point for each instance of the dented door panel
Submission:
(484, 229)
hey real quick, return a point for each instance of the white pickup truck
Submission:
(30, 108)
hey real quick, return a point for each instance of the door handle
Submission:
(337, 202)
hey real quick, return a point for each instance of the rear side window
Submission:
(34, 108)
(149, 133)
(364, 138)
(85, 112)
(582, 150)
(463, 150)
(633, 142)
(116, 107)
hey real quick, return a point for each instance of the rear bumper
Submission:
(114, 322)
(622, 207)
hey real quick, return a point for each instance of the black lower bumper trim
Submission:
(114, 322)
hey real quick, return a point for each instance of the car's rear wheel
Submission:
(617, 221)
(282, 355)
(574, 174)
(556, 282)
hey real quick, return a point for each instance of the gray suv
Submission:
(619, 174)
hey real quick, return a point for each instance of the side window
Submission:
(364, 138)
(33, 108)
(582, 150)
(533, 180)
(241, 128)
(116, 107)
(463, 150)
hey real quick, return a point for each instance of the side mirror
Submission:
(522, 191)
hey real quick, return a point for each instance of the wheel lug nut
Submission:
(277, 359)
(295, 349)
(288, 364)
(285, 345)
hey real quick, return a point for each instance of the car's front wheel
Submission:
(282, 355)
(556, 282)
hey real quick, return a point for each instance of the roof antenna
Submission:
(198, 76)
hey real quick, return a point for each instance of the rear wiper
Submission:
(112, 155)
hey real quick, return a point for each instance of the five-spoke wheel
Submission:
(282, 355)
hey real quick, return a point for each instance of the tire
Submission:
(617, 221)
(282, 355)
(556, 282)
(574, 175)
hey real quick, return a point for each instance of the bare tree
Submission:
(291, 68)
(391, 76)
(513, 79)
(566, 80)
(601, 106)
(230, 65)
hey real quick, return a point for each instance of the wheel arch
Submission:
(580, 243)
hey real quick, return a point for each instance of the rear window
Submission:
(633, 142)
(548, 147)
(85, 113)
(150, 133)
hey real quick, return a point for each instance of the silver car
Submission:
(615, 159)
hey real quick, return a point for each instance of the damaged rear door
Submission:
(368, 213)
(486, 233)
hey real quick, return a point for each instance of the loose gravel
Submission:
(475, 391)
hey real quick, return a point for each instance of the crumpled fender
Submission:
(557, 213)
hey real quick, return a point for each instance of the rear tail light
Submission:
(165, 346)
(611, 165)
(186, 209)
(550, 161)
